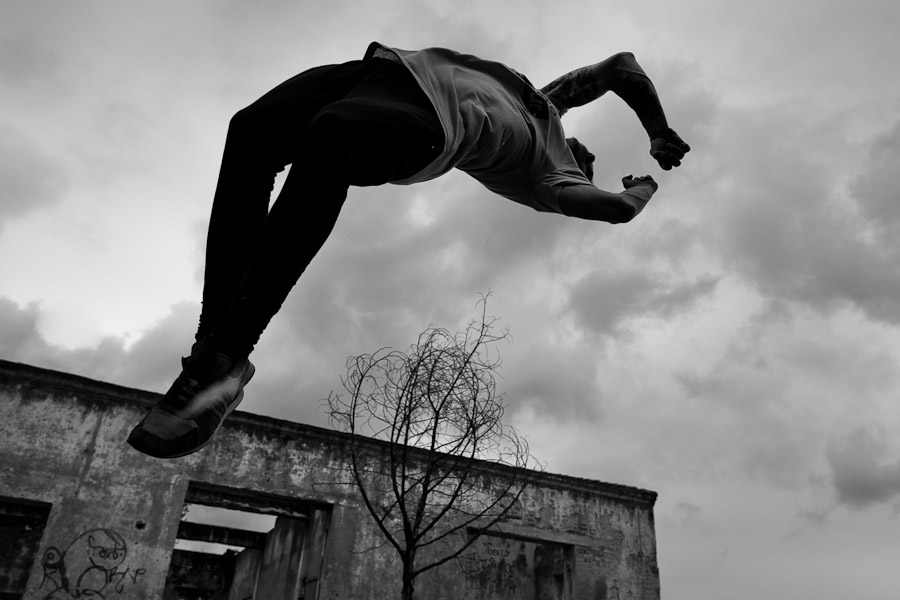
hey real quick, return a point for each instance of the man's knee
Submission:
(253, 133)
(245, 121)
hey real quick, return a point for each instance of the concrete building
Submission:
(84, 515)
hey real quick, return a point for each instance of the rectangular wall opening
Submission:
(236, 544)
(22, 525)
(505, 567)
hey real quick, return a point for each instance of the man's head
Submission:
(582, 156)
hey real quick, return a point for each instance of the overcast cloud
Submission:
(736, 348)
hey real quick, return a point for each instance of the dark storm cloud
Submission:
(22, 342)
(557, 383)
(20, 339)
(789, 233)
(23, 60)
(863, 474)
(151, 363)
(154, 359)
(787, 377)
(29, 178)
(875, 189)
(290, 382)
(689, 514)
(602, 301)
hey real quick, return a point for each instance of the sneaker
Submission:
(185, 420)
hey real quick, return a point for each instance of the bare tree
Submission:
(437, 406)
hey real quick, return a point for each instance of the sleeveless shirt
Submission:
(497, 127)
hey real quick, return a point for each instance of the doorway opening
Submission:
(237, 544)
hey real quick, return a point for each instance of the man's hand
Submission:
(630, 181)
(668, 149)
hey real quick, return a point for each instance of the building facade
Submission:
(84, 515)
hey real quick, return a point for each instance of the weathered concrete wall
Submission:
(62, 441)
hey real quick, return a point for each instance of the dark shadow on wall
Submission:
(21, 527)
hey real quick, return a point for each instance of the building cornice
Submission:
(43, 380)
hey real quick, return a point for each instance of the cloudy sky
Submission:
(736, 348)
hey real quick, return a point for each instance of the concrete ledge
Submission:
(68, 385)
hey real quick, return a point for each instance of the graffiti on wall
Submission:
(509, 569)
(90, 566)
(497, 568)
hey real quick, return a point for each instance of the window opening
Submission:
(508, 567)
(22, 525)
(236, 544)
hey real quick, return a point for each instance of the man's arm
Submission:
(589, 202)
(622, 75)
(619, 73)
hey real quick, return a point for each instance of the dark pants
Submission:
(358, 123)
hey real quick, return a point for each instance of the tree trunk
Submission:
(407, 592)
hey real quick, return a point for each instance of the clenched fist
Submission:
(668, 149)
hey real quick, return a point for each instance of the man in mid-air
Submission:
(397, 117)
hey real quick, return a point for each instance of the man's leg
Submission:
(383, 130)
(261, 141)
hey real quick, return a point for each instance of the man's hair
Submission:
(582, 156)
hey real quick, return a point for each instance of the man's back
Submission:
(498, 127)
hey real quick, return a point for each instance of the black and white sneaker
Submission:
(209, 388)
